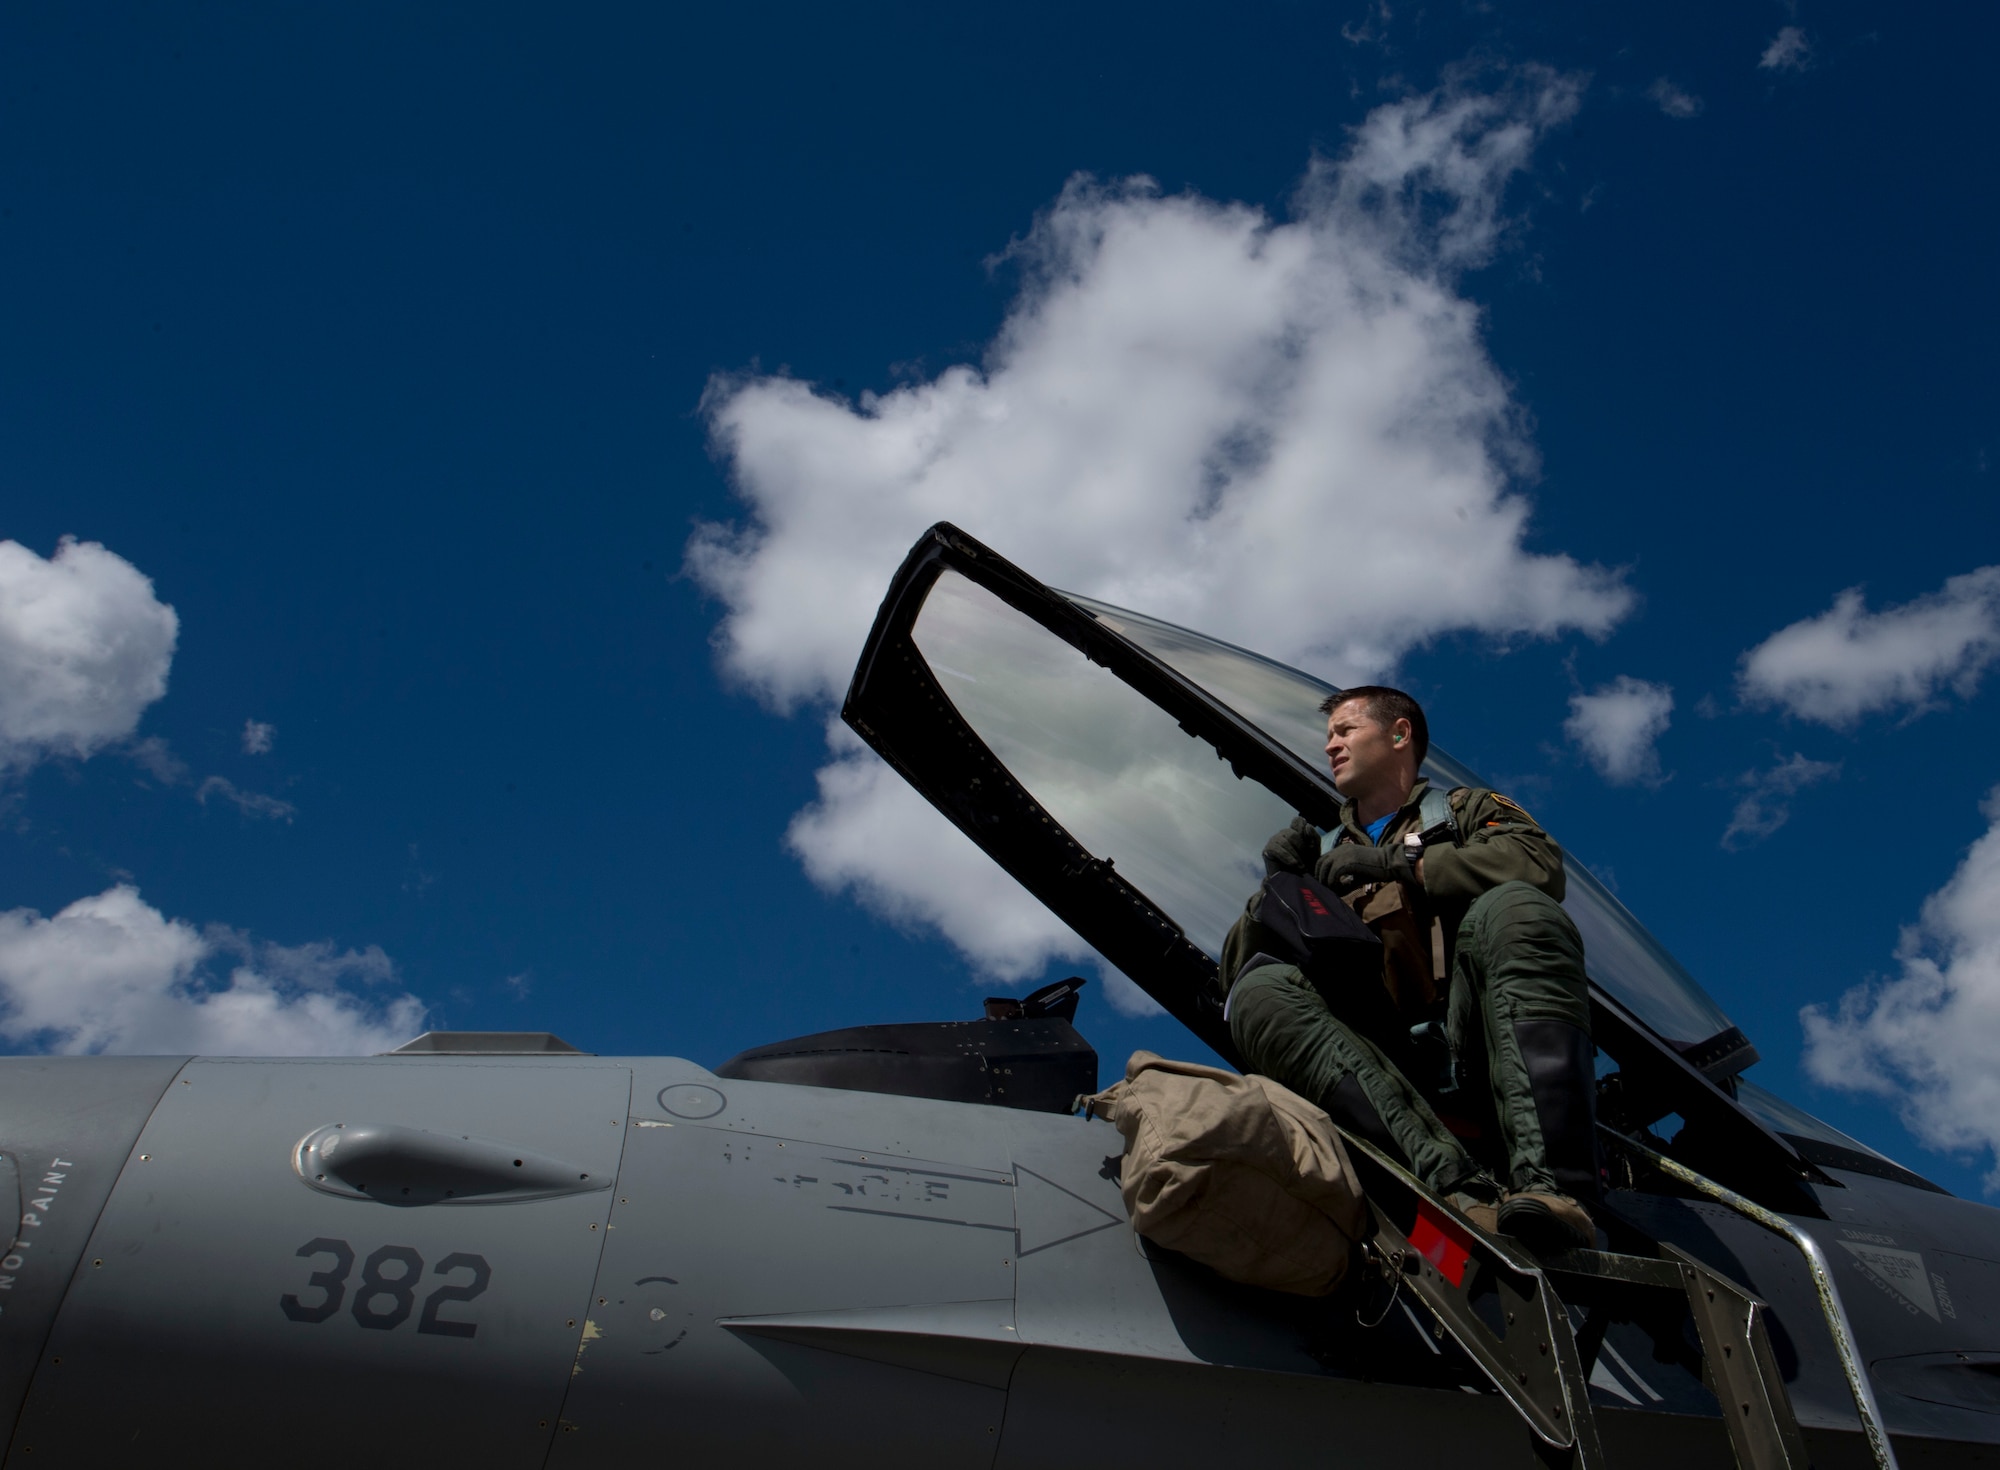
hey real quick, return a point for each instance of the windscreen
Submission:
(1622, 957)
(1789, 1118)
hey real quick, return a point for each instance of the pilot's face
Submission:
(1363, 752)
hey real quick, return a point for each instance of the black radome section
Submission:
(1042, 1064)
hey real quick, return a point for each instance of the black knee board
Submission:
(1317, 932)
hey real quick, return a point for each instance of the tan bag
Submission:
(1235, 1172)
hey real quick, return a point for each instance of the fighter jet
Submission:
(899, 1244)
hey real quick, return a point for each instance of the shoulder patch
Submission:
(1514, 806)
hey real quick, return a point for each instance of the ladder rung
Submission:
(1606, 1266)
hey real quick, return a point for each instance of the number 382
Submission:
(386, 1301)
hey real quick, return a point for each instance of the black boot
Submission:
(1562, 1076)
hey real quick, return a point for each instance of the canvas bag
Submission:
(1235, 1172)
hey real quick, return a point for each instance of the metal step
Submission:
(1737, 1361)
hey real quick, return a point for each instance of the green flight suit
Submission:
(1503, 964)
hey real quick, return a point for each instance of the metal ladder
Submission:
(1531, 1353)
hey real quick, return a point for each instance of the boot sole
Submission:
(1539, 1228)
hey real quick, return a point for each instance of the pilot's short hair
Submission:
(1386, 706)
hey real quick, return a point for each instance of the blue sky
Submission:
(405, 352)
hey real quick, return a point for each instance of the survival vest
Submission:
(1415, 948)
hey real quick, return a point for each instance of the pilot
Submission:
(1463, 889)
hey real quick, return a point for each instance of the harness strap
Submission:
(1439, 807)
(1436, 808)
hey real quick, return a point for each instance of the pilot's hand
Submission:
(1353, 863)
(1293, 850)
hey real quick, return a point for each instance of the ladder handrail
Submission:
(1831, 1306)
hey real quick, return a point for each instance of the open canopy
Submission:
(1127, 772)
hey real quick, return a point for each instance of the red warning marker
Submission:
(1441, 1242)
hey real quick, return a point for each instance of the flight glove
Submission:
(1294, 850)
(1353, 863)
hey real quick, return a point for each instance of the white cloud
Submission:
(157, 759)
(84, 648)
(1373, 26)
(257, 737)
(1789, 51)
(1848, 662)
(1673, 101)
(870, 831)
(1765, 805)
(1930, 1038)
(1288, 434)
(111, 973)
(250, 803)
(316, 965)
(1617, 724)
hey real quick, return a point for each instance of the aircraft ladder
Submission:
(1524, 1339)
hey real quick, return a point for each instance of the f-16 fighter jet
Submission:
(898, 1246)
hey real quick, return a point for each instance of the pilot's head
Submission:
(1376, 738)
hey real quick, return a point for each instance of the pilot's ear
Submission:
(1399, 733)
